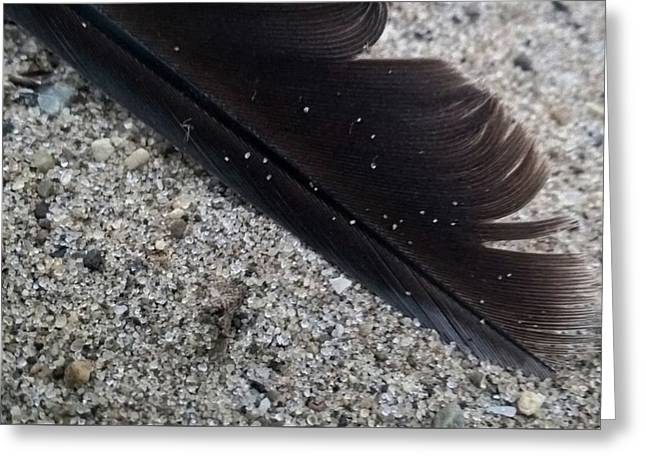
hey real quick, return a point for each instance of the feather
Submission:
(395, 170)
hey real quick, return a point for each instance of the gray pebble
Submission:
(42, 236)
(46, 188)
(54, 98)
(449, 417)
(264, 406)
(509, 411)
(93, 260)
(523, 62)
(478, 379)
(339, 284)
(41, 210)
(42, 161)
(472, 11)
(137, 159)
(381, 356)
(45, 223)
(102, 149)
(560, 6)
(177, 228)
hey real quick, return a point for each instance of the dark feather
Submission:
(396, 170)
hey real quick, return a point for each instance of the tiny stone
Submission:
(529, 403)
(41, 210)
(58, 373)
(120, 309)
(508, 411)
(560, 6)
(472, 11)
(15, 412)
(43, 161)
(77, 345)
(137, 159)
(93, 260)
(449, 417)
(264, 406)
(39, 369)
(102, 149)
(160, 245)
(61, 321)
(54, 98)
(478, 379)
(7, 127)
(45, 188)
(182, 201)
(78, 373)
(523, 62)
(340, 284)
(59, 252)
(560, 115)
(365, 329)
(381, 356)
(42, 236)
(177, 228)
(176, 214)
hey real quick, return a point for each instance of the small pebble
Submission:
(137, 159)
(523, 62)
(59, 252)
(472, 11)
(560, 115)
(478, 379)
(120, 309)
(509, 411)
(78, 373)
(529, 403)
(381, 356)
(42, 161)
(560, 6)
(177, 228)
(340, 284)
(7, 127)
(54, 98)
(102, 149)
(39, 370)
(449, 417)
(42, 236)
(46, 188)
(41, 210)
(93, 260)
(160, 245)
(16, 413)
(176, 214)
(182, 202)
(264, 406)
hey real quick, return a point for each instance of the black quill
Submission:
(396, 170)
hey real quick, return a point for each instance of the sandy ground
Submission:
(203, 311)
